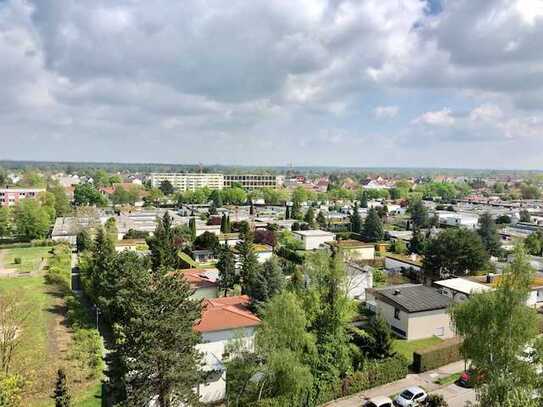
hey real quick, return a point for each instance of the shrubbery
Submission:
(438, 355)
(377, 373)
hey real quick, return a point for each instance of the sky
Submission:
(388, 83)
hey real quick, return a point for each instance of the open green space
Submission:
(406, 348)
(30, 258)
(450, 379)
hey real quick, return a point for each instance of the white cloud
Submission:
(441, 118)
(386, 112)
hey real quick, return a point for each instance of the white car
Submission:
(378, 402)
(412, 396)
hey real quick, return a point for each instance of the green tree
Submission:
(164, 244)
(228, 276)
(158, 343)
(497, 327)
(525, 216)
(87, 194)
(31, 219)
(61, 394)
(364, 200)
(356, 221)
(417, 244)
(266, 281)
(376, 342)
(321, 220)
(83, 241)
(248, 262)
(534, 243)
(399, 247)
(234, 196)
(62, 202)
(489, 234)
(454, 252)
(296, 210)
(216, 197)
(111, 229)
(192, 227)
(418, 213)
(95, 268)
(373, 227)
(11, 390)
(309, 217)
(166, 187)
(5, 221)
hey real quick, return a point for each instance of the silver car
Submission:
(412, 396)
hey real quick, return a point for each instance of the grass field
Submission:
(30, 258)
(406, 348)
(45, 339)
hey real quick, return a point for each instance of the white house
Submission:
(359, 279)
(354, 249)
(460, 289)
(413, 311)
(467, 220)
(223, 320)
(313, 239)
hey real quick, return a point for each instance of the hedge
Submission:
(289, 255)
(437, 355)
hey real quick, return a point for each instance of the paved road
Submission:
(456, 396)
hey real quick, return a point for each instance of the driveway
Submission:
(456, 396)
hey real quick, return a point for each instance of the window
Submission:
(396, 313)
(440, 331)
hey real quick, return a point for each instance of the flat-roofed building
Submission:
(253, 181)
(12, 196)
(188, 181)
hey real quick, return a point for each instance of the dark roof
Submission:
(414, 298)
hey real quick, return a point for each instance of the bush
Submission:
(87, 350)
(438, 355)
(289, 255)
(17, 260)
(436, 400)
(378, 372)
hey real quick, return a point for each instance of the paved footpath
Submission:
(456, 396)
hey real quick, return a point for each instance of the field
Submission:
(406, 348)
(45, 340)
(30, 258)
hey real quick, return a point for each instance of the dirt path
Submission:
(4, 272)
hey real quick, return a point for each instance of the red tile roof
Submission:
(219, 314)
(197, 278)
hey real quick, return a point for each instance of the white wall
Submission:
(357, 283)
(314, 242)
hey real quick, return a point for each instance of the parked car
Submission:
(410, 397)
(378, 402)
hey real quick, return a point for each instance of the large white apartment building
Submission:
(189, 181)
(254, 181)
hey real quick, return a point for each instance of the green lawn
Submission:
(30, 258)
(406, 348)
(449, 379)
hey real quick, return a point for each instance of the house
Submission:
(202, 281)
(202, 228)
(398, 262)
(262, 251)
(413, 311)
(359, 279)
(135, 245)
(313, 239)
(467, 220)
(535, 297)
(354, 249)
(223, 320)
(230, 239)
(460, 289)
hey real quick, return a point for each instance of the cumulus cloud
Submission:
(237, 81)
(442, 118)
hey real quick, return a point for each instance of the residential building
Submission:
(189, 181)
(467, 220)
(203, 282)
(313, 239)
(133, 245)
(354, 249)
(460, 289)
(413, 311)
(398, 262)
(223, 319)
(12, 196)
(359, 279)
(254, 181)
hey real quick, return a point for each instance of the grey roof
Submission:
(414, 298)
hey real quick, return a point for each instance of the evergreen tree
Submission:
(364, 200)
(223, 223)
(166, 187)
(248, 262)
(192, 226)
(373, 227)
(419, 214)
(103, 254)
(489, 234)
(356, 221)
(228, 225)
(228, 276)
(163, 245)
(83, 241)
(377, 342)
(525, 216)
(309, 218)
(216, 196)
(252, 209)
(158, 346)
(296, 210)
(287, 212)
(274, 276)
(111, 229)
(321, 220)
(62, 395)
(418, 243)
